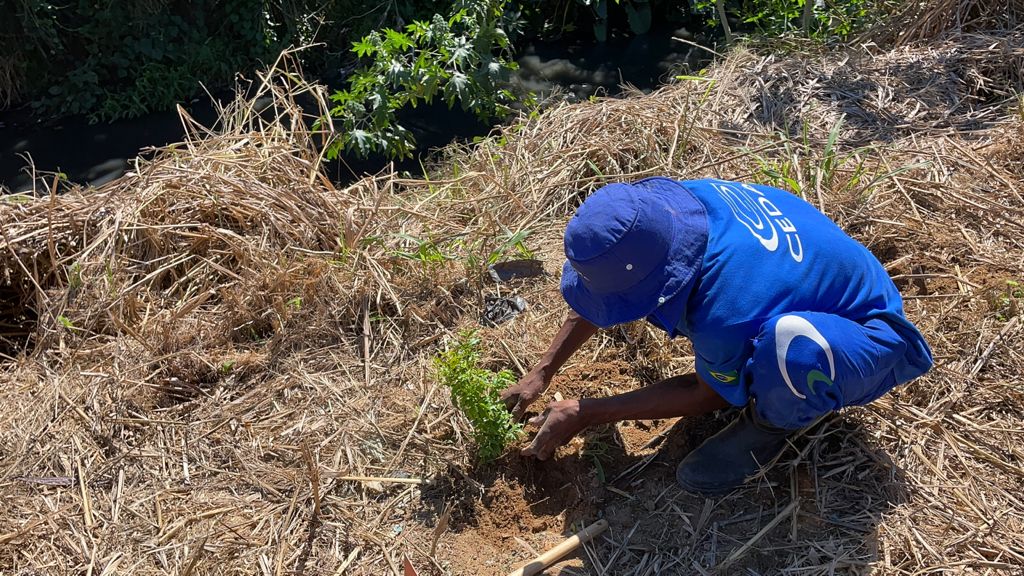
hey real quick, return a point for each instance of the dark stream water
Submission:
(97, 153)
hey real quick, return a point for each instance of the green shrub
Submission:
(123, 58)
(829, 19)
(463, 57)
(476, 392)
(120, 58)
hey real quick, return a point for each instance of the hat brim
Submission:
(682, 264)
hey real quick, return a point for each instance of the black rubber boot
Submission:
(726, 459)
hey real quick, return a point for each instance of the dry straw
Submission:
(197, 354)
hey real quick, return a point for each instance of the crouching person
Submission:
(789, 317)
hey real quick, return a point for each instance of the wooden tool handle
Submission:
(538, 564)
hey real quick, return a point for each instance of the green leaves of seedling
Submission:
(476, 392)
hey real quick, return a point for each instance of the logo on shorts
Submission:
(787, 329)
(816, 376)
(725, 376)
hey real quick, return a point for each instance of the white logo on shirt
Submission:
(786, 330)
(760, 216)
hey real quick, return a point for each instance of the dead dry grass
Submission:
(919, 22)
(198, 355)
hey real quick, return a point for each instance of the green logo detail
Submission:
(725, 376)
(816, 376)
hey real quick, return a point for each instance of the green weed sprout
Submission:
(476, 392)
(1006, 301)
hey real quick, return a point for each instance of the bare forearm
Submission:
(677, 396)
(575, 331)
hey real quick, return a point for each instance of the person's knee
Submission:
(794, 368)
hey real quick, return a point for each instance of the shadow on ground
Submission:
(843, 483)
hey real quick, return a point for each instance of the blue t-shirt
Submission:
(770, 253)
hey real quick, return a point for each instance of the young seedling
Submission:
(1006, 302)
(476, 392)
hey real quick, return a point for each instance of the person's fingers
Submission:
(537, 450)
(534, 448)
(523, 402)
(531, 449)
(546, 447)
(543, 444)
(520, 408)
(511, 399)
(541, 449)
(547, 451)
(538, 420)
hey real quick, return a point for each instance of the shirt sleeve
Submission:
(720, 364)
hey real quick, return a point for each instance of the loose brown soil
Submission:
(531, 505)
(527, 507)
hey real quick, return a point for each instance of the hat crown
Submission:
(618, 236)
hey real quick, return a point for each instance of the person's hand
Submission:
(519, 396)
(558, 424)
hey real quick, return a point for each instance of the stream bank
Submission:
(571, 68)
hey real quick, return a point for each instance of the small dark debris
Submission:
(500, 310)
(512, 269)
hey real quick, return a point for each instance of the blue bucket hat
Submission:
(630, 248)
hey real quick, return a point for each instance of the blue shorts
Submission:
(807, 364)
